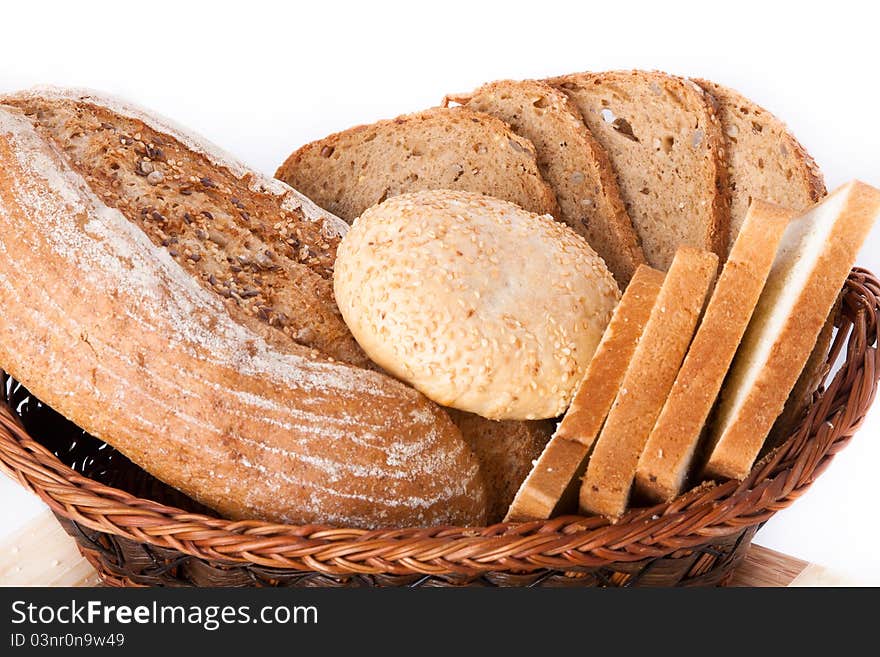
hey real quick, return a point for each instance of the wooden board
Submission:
(42, 554)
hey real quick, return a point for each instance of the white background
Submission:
(261, 80)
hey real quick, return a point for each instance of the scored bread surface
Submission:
(552, 484)
(764, 159)
(666, 459)
(666, 147)
(571, 161)
(646, 384)
(814, 259)
(114, 334)
(439, 148)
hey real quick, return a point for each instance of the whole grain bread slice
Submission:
(814, 259)
(664, 464)
(666, 146)
(646, 384)
(439, 148)
(505, 450)
(764, 159)
(553, 482)
(571, 161)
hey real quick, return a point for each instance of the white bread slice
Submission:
(649, 376)
(552, 484)
(816, 254)
(664, 465)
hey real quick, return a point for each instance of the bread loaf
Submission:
(439, 148)
(475, 302)
(123, 338)
(571, 161)
(665, 144)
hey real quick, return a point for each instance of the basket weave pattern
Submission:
(137, 531)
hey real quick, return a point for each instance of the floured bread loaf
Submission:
(480, 305)
(666, 146)
(439, 148)
(571, 161)
(119, 335)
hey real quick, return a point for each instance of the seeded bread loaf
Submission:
(571, 161)
(440, 148)
(121, 336)
(552, 484)
(506, 451)
(814, 259)
(666, 147)
(764, 159)
(666, 460)
(646, 384)
(475, 302)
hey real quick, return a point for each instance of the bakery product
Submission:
(648, 379)
(764, 159)
(814, 259)
(571, 161)
(665, 144)
(268, 253)
(551, 486)
(439, 148)
(666, 459)
(112, 332)
(506, 451)
(475, 302)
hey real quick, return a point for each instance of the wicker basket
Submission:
(137, 531)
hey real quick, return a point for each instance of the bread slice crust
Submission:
(664, 141)
(438, 148)
(571, 161)
(764, 159)
(646, 384)
(816, 255)
(667, 457)
(553, 482)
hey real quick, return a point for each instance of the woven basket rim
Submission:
(692, 519)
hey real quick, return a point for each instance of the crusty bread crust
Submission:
(665, 144)
(666, 459)
(439, 148)
(571, 161)
(764, 159)
(553, 483)
(110, 331)
(741, 428)
(646, 384)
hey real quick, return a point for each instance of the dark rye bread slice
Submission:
(764, 159)
(666, 146)
(439, 148)
(571, 161)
